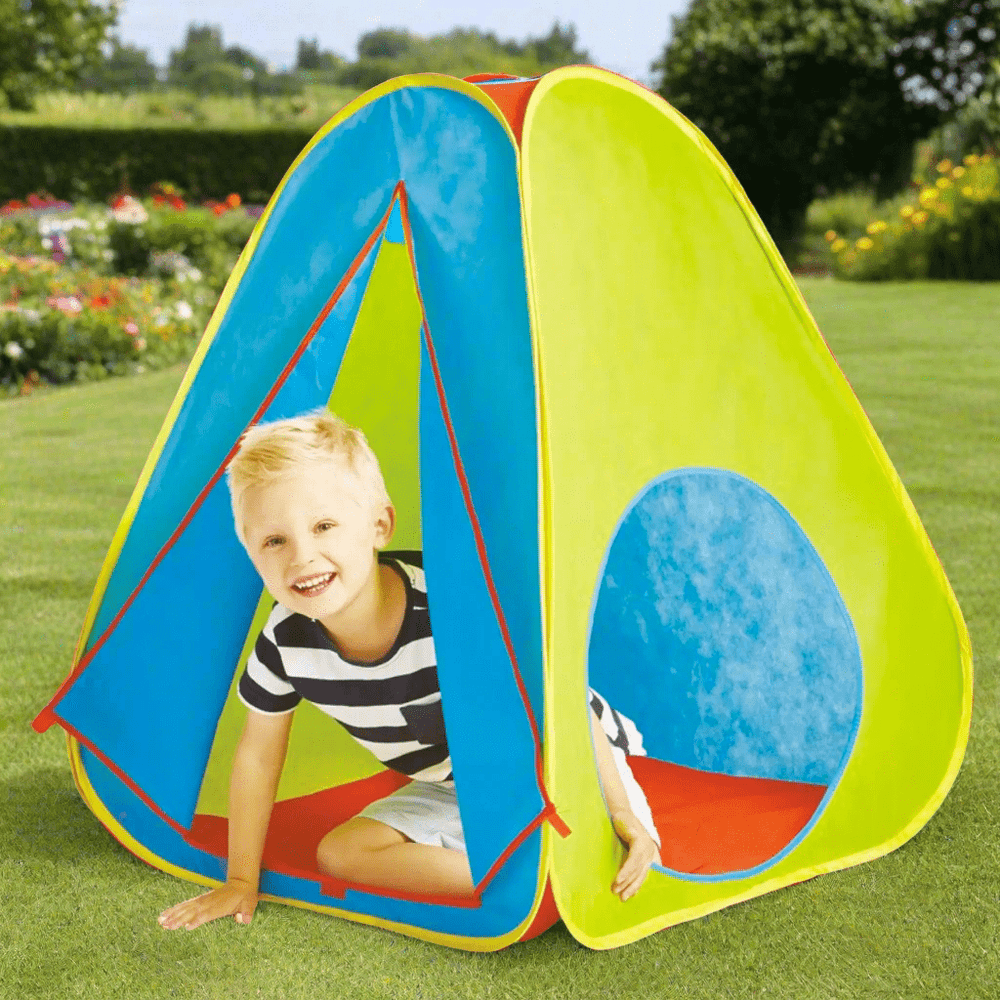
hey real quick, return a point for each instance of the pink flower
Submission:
(132, 328)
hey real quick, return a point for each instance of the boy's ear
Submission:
(385, 525)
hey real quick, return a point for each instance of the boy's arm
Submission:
(642, 850)
(253, 783)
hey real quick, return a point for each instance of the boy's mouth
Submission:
(310, 586)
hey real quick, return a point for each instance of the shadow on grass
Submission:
(43, 818)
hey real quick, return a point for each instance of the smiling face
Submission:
(312, 534)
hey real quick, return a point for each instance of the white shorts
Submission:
(427, 811)
(424, 811)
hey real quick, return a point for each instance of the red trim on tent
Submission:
(47, 716)
(711, 824)
(511, 98)
(550, 811)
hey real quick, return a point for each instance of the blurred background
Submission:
(863, 131)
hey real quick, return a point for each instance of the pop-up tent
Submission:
(610, 424)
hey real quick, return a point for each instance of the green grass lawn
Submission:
(78, 913)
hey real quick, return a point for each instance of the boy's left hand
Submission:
(642, 852)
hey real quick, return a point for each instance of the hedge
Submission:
(93, 163)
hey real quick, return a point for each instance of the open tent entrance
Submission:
(389, 384)
(327, 776)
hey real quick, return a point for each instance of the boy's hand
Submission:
(642, 852)
(233, 898)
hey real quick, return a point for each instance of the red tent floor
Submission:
(708, 823)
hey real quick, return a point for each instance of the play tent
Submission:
(609, 422)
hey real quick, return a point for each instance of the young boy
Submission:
(350, 632)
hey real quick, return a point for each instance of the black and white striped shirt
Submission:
(391, 707)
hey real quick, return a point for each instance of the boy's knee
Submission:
(334, 853)
(344, 849)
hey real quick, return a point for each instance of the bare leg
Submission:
(372, 853)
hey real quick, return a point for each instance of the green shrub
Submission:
(847, 212)
(95, 163)
(208, 243)
(948, 229)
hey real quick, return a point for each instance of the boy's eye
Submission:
(273, 542)
(326, 525)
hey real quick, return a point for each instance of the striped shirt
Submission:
(620, 730)
(391, 707)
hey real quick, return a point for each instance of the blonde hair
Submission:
(268, 451)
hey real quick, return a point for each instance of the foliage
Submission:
(205, 66)
(122, 69)
(48, 43)
(797, 94)
(846, 212)
(95, 163)
(949, 228)
(60, 325)
(388, 52)
(193, 243)
(86, 291)
(311, 57)
(175, 106)
(975, 128)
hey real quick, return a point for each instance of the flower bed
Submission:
(89, 291)
(948, 227)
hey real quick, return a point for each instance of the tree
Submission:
(387, 43)
(206, 66)
(49, 43)
(311, 57)
(202, 47)
(124, 68)
(806, 96)
(558, 47)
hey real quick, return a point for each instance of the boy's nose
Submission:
(302, 551)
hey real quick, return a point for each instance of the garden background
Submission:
(111, 261)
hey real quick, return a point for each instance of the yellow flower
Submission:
(919, 218)
(944, 166)
(849, 258)
(864, 243)
(837, 245)
(906, 211)
(830, 235)
(958, 172)
(928, 195)
(943, 183)
(874, 228)
(971, 160)
(967, 191)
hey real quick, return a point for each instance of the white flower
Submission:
(184, 310)
(13, 350)
(129, 210)
(46, 243)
